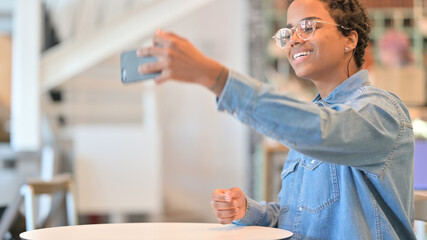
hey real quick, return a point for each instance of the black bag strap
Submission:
(395, 222)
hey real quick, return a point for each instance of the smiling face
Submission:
(321, 58)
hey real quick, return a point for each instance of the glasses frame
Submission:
(298, 30)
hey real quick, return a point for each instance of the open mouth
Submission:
(301, 54)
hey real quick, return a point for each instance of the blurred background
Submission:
(141, 152)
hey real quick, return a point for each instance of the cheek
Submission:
(335, 45)
(286, 53)
(330, 52)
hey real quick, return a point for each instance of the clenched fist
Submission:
(228, 204)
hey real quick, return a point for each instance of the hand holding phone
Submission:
(130, 63)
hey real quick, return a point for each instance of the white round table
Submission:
(157, 231)
(420, 200)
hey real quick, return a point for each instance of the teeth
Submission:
(301, 54)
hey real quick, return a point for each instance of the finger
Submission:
(221, 195)
(225, 220)
(218, 194)
(170, 35)
(151, 67)
(163, 39)
(235, 192)
(150, 51)
(224, 205)
(226, 214)
(173, 35)
(163, 77)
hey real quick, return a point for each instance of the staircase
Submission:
(78, 54)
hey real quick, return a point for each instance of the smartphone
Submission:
(130, 63)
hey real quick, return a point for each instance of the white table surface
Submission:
(420, 195)
(157, 231)
(420, 205)
(420, 213)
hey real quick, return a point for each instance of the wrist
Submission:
(245, 208)
(217, 78)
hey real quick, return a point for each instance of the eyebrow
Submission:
(307, 18)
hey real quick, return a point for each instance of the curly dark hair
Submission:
(351, 14)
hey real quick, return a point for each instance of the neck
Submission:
(329, 81)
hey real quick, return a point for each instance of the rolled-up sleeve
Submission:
(260, 214)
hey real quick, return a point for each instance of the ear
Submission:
(352, 40)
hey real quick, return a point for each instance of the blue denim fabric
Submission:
(359, 136)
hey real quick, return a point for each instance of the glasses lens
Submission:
(306, 29)
(282, 37)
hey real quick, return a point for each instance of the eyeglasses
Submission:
(305, 31)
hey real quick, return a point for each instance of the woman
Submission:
(349, 173)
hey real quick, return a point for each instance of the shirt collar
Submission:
(346, 88)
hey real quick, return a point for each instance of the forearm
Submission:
(216, 77)
(220, 81)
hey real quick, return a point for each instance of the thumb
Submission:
(240, 198)
(235, 193)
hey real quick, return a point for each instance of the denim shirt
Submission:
(349, 173)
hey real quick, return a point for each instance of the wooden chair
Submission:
(27, 194)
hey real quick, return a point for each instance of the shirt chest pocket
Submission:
(288, 179)
(320, 187)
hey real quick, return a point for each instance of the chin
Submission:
(302, 73)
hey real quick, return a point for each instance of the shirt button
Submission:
(312, 161)
(300, 208)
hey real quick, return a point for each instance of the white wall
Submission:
(117, 169)
(204, 149)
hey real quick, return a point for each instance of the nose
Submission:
(294, 39)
